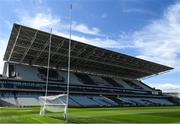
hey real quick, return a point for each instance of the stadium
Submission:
(101, 81)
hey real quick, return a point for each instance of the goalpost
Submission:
(57, 103)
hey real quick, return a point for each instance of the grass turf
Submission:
(94, 115)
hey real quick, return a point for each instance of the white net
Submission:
(55, 103)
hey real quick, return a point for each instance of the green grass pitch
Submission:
(94, 115)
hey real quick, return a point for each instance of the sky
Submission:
(147, 29)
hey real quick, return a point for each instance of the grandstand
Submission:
(99, 77)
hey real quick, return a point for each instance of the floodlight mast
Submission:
(69, 64)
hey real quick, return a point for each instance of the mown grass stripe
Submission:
(94, 115)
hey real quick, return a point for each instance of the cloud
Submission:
(3, 45)
(82, 28)
(45, 21)
(168, 87)
(40, 20)
(103, 42)
(160, 40)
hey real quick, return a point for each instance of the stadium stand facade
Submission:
(98, 77)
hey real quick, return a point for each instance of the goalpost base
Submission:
(42, 111)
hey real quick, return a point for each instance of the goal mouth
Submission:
(54, 103)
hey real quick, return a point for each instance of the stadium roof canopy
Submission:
(30, 46)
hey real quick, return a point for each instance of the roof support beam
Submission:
(87, 56)
(60, 54)
(43, 49)
(90, 53)
(14, 44)
(72, 47)
(27, 50)
(82, 50)
(59, 47)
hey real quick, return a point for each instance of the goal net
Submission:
(55, 103)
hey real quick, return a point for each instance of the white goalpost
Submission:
(57, 103)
